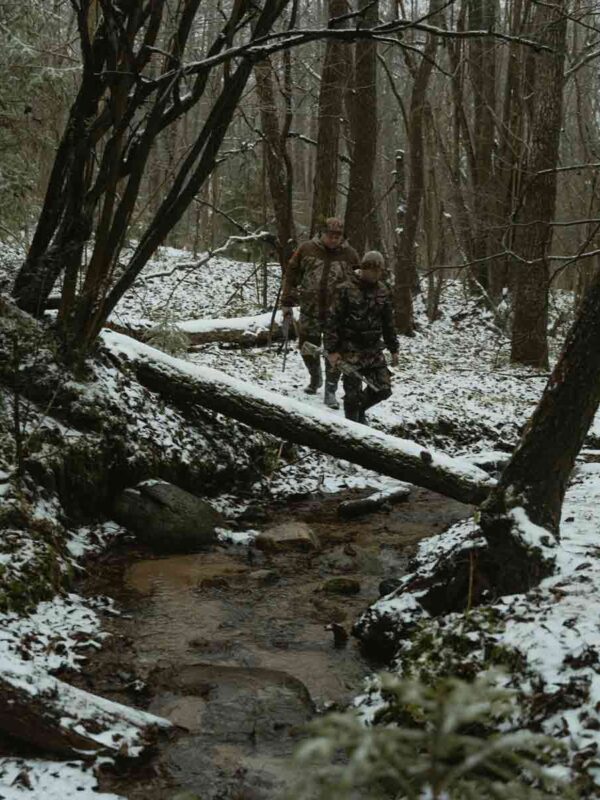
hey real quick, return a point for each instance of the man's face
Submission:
(331, 239)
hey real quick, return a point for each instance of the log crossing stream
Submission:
(235, 645)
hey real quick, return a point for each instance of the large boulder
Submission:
(166, 518)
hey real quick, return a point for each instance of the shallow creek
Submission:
(235, 645)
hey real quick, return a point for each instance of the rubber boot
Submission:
(313, 365)
(329, 397)
(332, 377)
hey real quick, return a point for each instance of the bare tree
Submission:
(331, 95)
(361, 216)
(405, 270)
(131, 89)
(533, 216)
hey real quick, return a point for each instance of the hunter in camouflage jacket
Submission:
(359, 326)
(312, 276)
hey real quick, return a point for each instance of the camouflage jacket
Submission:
(313, 273)
(361, 319)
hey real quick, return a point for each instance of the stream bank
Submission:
(236, 645)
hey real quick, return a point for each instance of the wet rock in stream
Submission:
(232, 714)
(166, 518)
(295, 536)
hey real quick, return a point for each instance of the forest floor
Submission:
(455, 390)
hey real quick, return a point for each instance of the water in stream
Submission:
(234, 645)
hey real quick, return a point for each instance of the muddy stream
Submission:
(236, 645)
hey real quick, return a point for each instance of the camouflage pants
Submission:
(311, 330)
(372, 366)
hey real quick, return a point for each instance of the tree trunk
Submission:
(482, 16)
(277, 162)
(331, 96)
(360, 209)
(406, 277)
(298, 422)
(533, 234)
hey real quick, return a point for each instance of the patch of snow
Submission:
(49, 780)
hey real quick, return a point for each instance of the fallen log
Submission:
(251, 331)
(372, 502)
(244, 331)
(298, 422)
(48, 713)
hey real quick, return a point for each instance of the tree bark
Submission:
(405, 268)
(482, 16)
(298, 422)
(331, 97)
(533, 234)
(279, 168)
(360, 215)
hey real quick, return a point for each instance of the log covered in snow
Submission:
(300, 423)
(246, 331)
(48, 713)
(372, 502)
(250, 331)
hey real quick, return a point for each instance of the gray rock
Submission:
(288, 536)
(166, 518)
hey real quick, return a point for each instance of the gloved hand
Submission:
(395, 360)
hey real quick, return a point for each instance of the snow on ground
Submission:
(24, 779)
(454, 390)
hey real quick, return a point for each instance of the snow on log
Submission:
(247, 331)
(244, 331)
(372, 502)
(300, 423)
(51, 714)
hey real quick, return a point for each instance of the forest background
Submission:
(458, 137)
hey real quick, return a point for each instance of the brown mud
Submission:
(235, 645)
